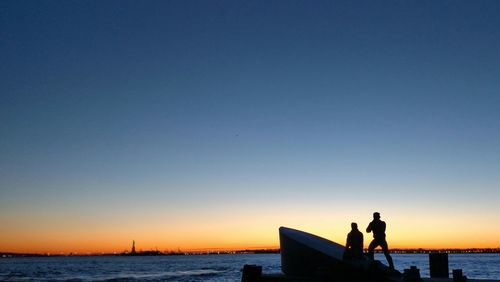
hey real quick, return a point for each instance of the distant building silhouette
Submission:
(133, 247)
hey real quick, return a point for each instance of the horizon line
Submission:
(247, 250)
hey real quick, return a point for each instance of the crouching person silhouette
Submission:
(377, 226)
(354, 244)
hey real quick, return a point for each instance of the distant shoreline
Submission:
(262, 251)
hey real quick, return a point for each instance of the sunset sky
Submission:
(210, 124)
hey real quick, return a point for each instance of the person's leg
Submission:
(385, 248)
(371, 249)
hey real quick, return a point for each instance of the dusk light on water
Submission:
(202, 126)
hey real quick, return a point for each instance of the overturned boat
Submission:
(305, 254)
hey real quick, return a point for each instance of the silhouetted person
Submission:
(378, 228)
(354, 243)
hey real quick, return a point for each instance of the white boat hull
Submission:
(303, 253)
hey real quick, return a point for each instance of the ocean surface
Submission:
(201, 267)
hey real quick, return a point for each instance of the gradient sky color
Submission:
(209, 124)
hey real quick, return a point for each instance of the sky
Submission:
(210, 124)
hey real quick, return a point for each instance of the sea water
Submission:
(225, 267)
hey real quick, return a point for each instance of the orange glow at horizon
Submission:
(112, 244)
(242, 230)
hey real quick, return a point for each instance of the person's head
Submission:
(376, 215)
(354, 226)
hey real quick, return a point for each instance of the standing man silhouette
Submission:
(378, 228)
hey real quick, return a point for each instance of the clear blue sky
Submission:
(169, 106)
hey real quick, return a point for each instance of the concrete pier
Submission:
(253, 273)
(285, 278)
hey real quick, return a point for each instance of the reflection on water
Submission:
(201, 267)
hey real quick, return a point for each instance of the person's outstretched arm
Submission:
(369, 228)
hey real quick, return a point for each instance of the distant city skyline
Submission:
(210, 124)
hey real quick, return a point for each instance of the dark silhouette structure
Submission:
(377, 226)
(354, 243)
(133, 248)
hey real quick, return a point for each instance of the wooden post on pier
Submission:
(438, 265)
(251, 273)
(458, 276)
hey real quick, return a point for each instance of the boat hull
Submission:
(303, 253)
